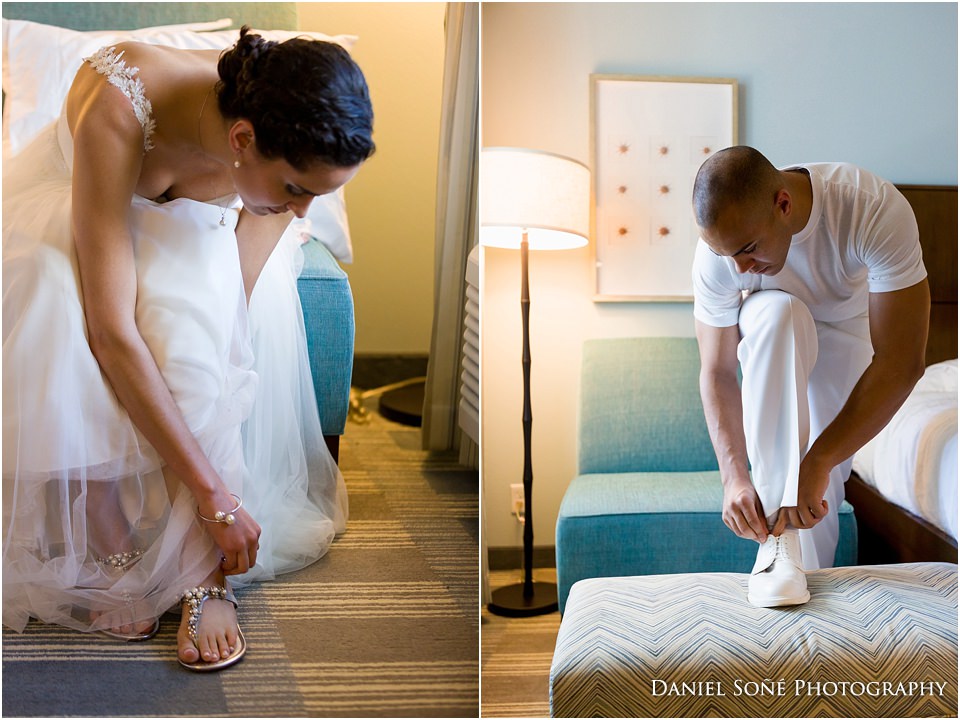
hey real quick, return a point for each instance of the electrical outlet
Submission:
(516, 501)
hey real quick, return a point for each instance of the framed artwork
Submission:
(649, 136)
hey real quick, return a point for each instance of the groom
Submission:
(810, 278)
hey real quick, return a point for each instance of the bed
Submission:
(904, 483)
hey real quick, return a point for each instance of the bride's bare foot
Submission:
(115, 551)
(217, 633)
(126, 627)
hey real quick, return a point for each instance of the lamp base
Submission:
(510, 602)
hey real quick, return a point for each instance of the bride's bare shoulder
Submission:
(156, 72)
(132, 60)
(94, 92)
(160, 67)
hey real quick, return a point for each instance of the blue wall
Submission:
(869, 83)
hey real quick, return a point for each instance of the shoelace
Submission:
(780, 551)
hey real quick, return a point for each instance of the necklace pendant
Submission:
(223, 222)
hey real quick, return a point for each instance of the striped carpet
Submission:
(386, 625)
(515, 656)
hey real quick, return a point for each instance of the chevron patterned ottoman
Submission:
(874, 641)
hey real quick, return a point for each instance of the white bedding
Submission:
(913, 460)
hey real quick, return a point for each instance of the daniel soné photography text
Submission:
(780, 688)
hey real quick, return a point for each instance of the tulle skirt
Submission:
(81, 485)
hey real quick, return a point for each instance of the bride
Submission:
(150, 449)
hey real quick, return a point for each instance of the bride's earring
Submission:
(236, 163)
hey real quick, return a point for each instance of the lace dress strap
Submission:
(109, 63)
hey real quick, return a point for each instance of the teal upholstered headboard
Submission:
(127, 16)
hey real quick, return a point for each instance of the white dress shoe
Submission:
(777, 578)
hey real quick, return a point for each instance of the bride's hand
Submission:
(238, 542)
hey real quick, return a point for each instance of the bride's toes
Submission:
(190, 651)
(210, 648)
(132, 630)
(224, 647)
(186, 650)
(222, 626)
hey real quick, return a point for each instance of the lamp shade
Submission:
(545, 194)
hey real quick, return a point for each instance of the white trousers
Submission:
(797, 375)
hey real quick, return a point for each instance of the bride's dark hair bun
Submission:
(237, 69)
(307, 99)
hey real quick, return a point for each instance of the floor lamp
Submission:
(532, 201)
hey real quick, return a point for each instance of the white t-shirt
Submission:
(861, 238)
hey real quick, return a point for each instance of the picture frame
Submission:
(649, 136)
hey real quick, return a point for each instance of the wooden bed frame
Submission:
(887, 532)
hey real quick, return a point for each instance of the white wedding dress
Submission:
(80, 483)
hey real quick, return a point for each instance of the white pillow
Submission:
(33, 96)
(30, 105)
(40, 62)
(326, 220)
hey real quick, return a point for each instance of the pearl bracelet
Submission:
(227, 518)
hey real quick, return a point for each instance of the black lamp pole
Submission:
(528, 598)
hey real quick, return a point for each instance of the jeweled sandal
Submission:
(193, 599)
(122, 561)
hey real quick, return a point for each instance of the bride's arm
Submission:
(108, 153)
